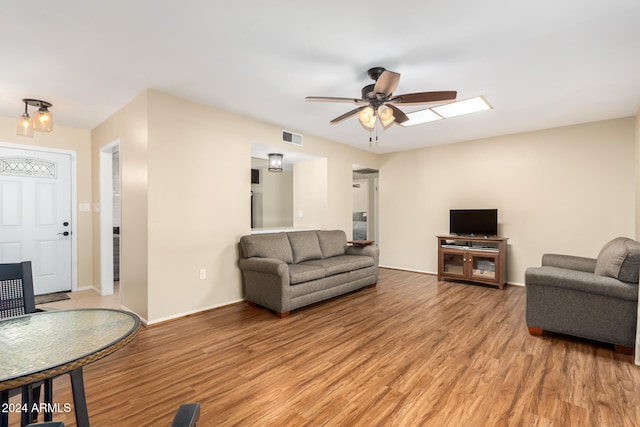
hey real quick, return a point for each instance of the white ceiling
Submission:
(540, 64)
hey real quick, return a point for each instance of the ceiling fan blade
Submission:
(425, 97)
(387, 83)
(336, 99)
(347, 115)
(398, 115)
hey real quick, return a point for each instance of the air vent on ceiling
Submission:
(291, 138)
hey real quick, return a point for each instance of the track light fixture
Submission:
(42, 121)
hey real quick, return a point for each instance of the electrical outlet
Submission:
(203, 273)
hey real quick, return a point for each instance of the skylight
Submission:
(453, 109)
(422, 116)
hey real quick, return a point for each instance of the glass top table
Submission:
(44, 345)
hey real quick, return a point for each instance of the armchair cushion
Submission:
(620, 259)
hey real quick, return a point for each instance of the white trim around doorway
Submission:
(106, 216)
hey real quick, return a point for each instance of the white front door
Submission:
(35, 215)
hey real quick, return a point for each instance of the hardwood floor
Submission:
(411, 351)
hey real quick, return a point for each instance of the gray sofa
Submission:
(286, 271)
(590, 298)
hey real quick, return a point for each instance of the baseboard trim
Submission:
(390, 267)
(192, 312)
(432, 273)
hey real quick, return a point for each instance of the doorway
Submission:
(109, 208)
(37, 192)
(365, 203)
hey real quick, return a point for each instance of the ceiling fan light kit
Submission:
(367, 118)
(386, 116)
(42, 121)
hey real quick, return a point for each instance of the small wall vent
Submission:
(291, 138)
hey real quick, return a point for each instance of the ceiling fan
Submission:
(378, 100)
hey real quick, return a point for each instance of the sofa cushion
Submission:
(342, 264)
(332, 242)
(271, 245)
(299, 273)
(304, 245)
(620, 259)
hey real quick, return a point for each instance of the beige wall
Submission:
(129, 127)
(310, 194)
(199, 169)
(78, 141)
(189, 166)
(277, 200)
(333, 171)
(361, 195)
(278, 203)
(564, 190)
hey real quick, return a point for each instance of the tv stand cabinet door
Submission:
(452, 264)
(484, 268)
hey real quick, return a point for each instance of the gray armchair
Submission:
(589, 298)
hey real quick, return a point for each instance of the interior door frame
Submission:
(106, 216)
(74, 199)
(376, 205)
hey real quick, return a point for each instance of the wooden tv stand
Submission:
(473, 259)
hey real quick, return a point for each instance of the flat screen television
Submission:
(473, 222)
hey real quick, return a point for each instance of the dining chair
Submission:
(47, 424)
(17, 299)
(187, 415)
(16, 290)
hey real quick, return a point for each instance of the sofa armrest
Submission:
(264, 265)
(569, 262)
(581, 281)
(266, 282)
(369, 250)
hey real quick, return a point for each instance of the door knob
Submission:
(66, 233)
